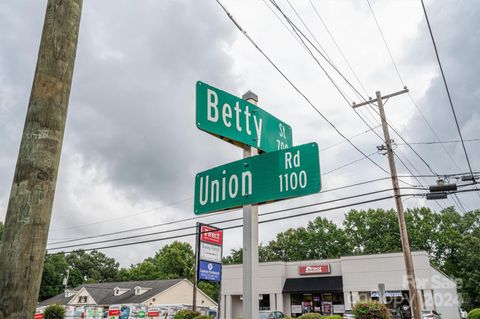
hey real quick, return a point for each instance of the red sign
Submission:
(153, 314)
(314, 269)
(38, 316)
(211, 235)
(114, 312)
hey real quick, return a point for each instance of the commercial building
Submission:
(334, 285)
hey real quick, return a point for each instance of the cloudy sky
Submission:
(131, 148)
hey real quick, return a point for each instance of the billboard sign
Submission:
(209, 252)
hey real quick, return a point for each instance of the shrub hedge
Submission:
(474, 314)
(370, 310)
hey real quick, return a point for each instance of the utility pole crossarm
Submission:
(370, 100)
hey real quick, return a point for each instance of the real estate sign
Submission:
(259, 179)
(238, 121)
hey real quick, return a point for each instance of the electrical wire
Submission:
(294, 86)
(261, 222)
(447, 89)
(218, 222)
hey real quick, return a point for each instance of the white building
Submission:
(333, 285)
(147, 293)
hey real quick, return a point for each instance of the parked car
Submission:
(430, 314)
(267, 314)
(348, 314)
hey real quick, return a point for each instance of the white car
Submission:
(267, 314)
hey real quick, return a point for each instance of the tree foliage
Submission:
(54, 312)
(1, 231)
(94, 266)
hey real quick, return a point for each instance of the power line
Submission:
(263, 221)
(126, 217)
(215, 223)
(446, 88)
(385, 41)
(233, 227)
(297, 30)
(411, 98)
(441, 142)
(294, 86)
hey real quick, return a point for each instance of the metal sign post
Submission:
(282, 172)
(250, 242)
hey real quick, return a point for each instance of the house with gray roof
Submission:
(148, 293)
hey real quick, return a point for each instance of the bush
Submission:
(186, 314)
(474, 314)
(54, 312)
(370, 310)
(333, 317)
(311, 316)
(203, 317)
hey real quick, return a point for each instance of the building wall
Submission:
(181, 293)
(445, 297)
(360, 274)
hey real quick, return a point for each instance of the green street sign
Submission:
(238, 121)
(258, 179)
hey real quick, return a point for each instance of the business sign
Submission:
(211, 235)
(153, 312)
(138, 312)
(238, 121)
(209, 271)
(258, 179)
(114, 311)
(210, 252)
(314, 269)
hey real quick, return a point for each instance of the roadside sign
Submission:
(210, 252)
(238, 121)
(209, 271)
(211, 235)
(258, 179)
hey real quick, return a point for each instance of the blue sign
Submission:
(209, 271)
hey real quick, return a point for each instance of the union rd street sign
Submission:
(238, 121)
(267, 177)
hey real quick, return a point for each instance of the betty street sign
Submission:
(268, 177)
(238, 121)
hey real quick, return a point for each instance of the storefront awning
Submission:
(313, 284)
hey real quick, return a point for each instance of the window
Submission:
(82, 299)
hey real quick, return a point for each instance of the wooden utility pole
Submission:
(415, 298)
(22, 251)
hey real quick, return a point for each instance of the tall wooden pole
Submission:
(415, 298)
(29, 209)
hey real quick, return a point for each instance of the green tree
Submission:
(210, 288)
(94, 266)
(319, 240)
(171, 262)
(372, 231)
(54, 312)
(175, 261)
(54, 270)
(1, 231)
